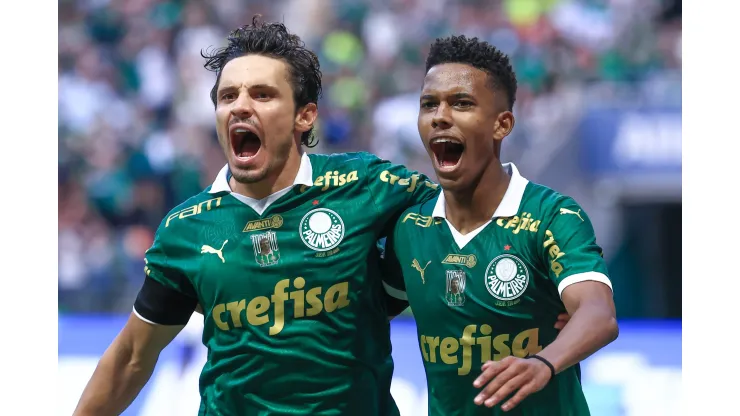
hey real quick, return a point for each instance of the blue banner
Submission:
(632, 142)
(638, 374)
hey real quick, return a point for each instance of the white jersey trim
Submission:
(392, 291)
(584, 277)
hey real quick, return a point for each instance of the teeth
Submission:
(240, 131)
(445, 141)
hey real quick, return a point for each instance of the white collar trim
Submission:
(509, 205)
(304, 176)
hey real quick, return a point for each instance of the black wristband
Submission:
(547, 363)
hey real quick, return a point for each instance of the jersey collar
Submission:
(304, 176)
(509, 205)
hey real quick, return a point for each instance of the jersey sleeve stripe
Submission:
(393, 292)
(138, 315)
(583, 277)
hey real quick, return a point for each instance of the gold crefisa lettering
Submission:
(331, 179)
(459, 351)
(259, 310)
(193, 210)
(411, 183)
(517, 223)
(334, 179)
(553, 251)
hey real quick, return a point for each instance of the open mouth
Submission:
(245, 142)
(447, 152)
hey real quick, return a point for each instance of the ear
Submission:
(305, 117)
(504, 125)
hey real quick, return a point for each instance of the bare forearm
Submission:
(590, 328)
(117, 380)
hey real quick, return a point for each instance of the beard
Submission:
(250, 176)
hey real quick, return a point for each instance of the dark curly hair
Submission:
(478, 54)
(272, 40)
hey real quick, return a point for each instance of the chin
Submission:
(449, 183)
(459, 181)
(248, 175)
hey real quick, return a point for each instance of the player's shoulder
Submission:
(546, 203)
(417, 217)
(203, 202)
(338, 169)
(356, 160)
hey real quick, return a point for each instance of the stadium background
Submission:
(598, 117)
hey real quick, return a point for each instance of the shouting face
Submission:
(462, 121)
(257, 121)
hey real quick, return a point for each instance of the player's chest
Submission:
(243, 249)
(494, 271)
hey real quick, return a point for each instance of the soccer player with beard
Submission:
(280, 253)
(501, 256)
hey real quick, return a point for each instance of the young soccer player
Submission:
(489, 263)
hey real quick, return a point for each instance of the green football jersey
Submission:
(493, 292)
(290, 287)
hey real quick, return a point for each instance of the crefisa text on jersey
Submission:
(228, 316)
(411, 183)
(333, 179)
(448, 350)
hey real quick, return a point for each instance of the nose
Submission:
(242, 107)
(442, 117)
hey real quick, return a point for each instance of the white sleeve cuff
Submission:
(393, 292)
(583, 277)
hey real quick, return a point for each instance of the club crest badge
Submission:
(507, 277)
(321, 229)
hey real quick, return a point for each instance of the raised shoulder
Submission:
(177, 219)
(548, 205)
(339, 161)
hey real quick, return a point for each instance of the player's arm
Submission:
(160, 313)
(395, 188)
(582, 279)
(162, 308)
(593, 325)
(577, 268)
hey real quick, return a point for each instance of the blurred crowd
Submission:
(136, 134)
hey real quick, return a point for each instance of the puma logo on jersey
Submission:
(564, 211)
(415, 264)
(206, 249)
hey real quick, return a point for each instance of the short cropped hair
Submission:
(478, 54)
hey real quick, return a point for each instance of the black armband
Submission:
(162, 305)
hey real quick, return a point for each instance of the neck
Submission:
(274, 182)
(468, 209)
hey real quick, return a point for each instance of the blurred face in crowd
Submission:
(256, 119)
(462, 121)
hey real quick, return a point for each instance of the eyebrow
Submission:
(262, 86)
(457, 95)
(256, 86)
